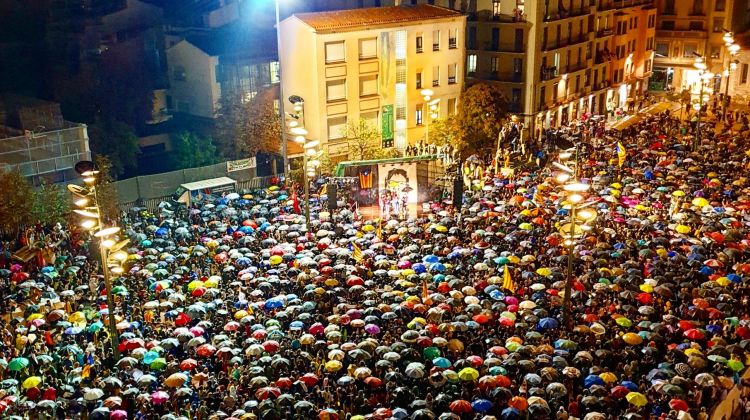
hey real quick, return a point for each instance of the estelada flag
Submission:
(357, 253)
(508, 281)
(621, 154)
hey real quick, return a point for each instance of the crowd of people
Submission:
(234, 309)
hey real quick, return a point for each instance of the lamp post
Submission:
(733, 50)
(309, 165)
(281, 95)
(110, 250)
(704, 77)
(427, 95)
(580, 215)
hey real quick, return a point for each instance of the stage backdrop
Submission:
(396, 177)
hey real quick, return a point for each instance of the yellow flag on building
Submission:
(508, 281)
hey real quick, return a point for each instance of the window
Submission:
(178, 73)
(436, 76)
(335, 52)
(652, 21)
(274, 69)
(517, 65)
(336, 90)
(719, 25)
(435, 40)
(336, 128)
(420, 45)
(452, 106)
(452, 69)
(419, 79)
(743, 74)
(471, 63)
(542, 97)
(696, 25)
(453, 39)
(668, 25)
(554, 92)
(647, 66)
(368, 85)
(368, 48)
(715, 51)
(495, 7)
(662, 49)
(218, 73)
(720, 5)
(688, 50)
(669, 7)
(495, 39)
(418, 114)
(494, 64)
(370, 117)
(697, 7)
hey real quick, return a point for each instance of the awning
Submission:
(626, 122)
(660, 107)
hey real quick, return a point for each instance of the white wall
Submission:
(199, 90)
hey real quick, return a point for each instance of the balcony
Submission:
(604, 32)
(576, 67)
(503, 48)
(451, 80)
(561, 43)
(452, 44)
(503, 77)
(670, 33)
(562, 15)
(548, 73)
(623, 4)
(487, 16)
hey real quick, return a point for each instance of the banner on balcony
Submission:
(238, 165)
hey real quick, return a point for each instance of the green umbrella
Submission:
(159, 363)
(735, 365)
(96, 326)
(431, 353)
(501, 260)
(19, 363)
(70, 349)
(120, 290)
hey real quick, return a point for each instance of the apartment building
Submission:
(687, 29)
(372, 63)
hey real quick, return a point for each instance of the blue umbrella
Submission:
(548, 323)
(510, 413)
(430, 259)
(273, 303)
(161, 232)
(149, 357)
(592, 380)
(437, 267)
(497, 295)
(246, 229)
(713, 329)
(441, 362)
(419, 268)
(629, 385)
(73, 330)
(481, 405)
(296, 325)
(706, 270)
(734, 278)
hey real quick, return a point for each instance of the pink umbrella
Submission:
(511, 300)
(197, 331)
(159, 397)
(118, 415)
(372, 329)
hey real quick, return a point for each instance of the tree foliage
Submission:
(246, 127)
(17, 203)
(481, 110)
(51, 204)
(117, 141)
(445, 131)
(191, 150)
(106, 192)
(364, 139)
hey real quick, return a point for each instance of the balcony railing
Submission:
(506, 48)
(549, 73)
(435, 47)
(601, 33)
(566, 42)
(622, 4)
(452, 44)
(560, 14)
(451, 80)
(681, 33)
(487, 16)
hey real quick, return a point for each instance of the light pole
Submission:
(309, 164)
(733, 50)
(281, 95)
(110, 250)
(432, 107)
(704, 77)
(580, 215)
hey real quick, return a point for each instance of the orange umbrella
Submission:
(519, 403)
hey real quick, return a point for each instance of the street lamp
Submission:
(705, 76)
(431, 110)
(309, 165)
(281, 94)
(110, 249)
(580, 216)
(733, 49)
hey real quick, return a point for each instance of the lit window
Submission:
(471, 65)
(335, 52)
(368, 48)
(368, 85)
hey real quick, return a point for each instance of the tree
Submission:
(445, 131)
(17, 202)
(106, 192)
(51, 204)
(246, 127)
(191, 150)
(480, 116)
(117, 141)
(363, 137)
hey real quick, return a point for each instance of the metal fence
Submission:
(150, 190)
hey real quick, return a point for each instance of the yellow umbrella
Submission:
(691, 351)
(368, 228)
(275, 260)
(212, 282)
(513, 259)
(682, 229)
(175, 380)
(468, 374)
(34, 316)
(333, 366)
(544, 271)
(616, 185)
(632, 338)
(700, 202)
(608, 377)
(646, 288)
(31, 382)
(77, 317)
(194, 285)
(723, 281)
(641, 207)
(331, 282)
(240, 314)
(678, 193)
(637, 399)
(624, 322)
(441, 228)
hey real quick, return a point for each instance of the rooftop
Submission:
(374, 16)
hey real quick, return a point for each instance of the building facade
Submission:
(687, 29)
(373, 63)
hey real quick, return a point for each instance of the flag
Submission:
(379, 230)
(425, 293)
(295, 202)
(86, 372)
(357, 253)
(508, 281)
(621, 154)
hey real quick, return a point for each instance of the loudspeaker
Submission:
(458, 192)
(332, 191)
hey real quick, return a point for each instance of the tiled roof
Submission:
(373, 16)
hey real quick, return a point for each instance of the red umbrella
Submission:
(188, 364)
(645, 298)
(309, 379)
(685, 324)
(206, 350)
(271, 346)
(506, 322)
(502, 381)
(259, 334)
(284, 383)
(182, 319)
(679, 405)
(475, 360)
(619, 391)
(481, 318)
(328, 414)
(460, 406)
(487, 382)
(694, 334)
(382, 413)
(316, 328)
(267, 392)
(373, 382)
(498, 350)
(131, 344)
(743, 332)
